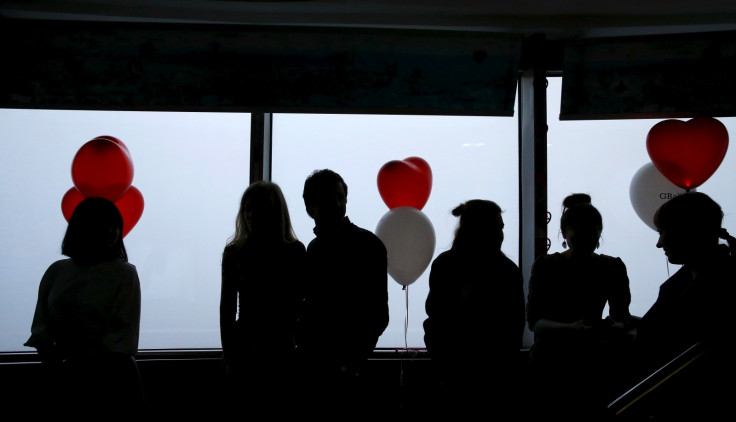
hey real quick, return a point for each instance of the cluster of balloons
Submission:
(684, 155)
(406, 231)
(103, 168)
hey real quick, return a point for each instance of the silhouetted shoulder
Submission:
(368, 237)
(443, 257)
(117, 266)
(505, 260)
(612, 260)
(547, 260)
(60, 265)
(297, 246)
(613, 264)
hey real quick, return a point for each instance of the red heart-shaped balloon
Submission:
(405, 183)
(130, 206)
(102, 168)
(687, 153)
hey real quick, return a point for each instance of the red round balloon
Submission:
(116, 140)
(69, 202)
(405, 183)
(687, 153)
(102, 168)
(131, 208)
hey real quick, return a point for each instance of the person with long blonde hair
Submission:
(262, 267)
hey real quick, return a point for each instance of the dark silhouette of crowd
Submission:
(299, 324)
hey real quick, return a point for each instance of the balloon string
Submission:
(406, 318)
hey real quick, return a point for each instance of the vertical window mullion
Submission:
(260, 146)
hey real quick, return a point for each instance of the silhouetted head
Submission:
(480, 225)
(581, 223)
(325, 197)
(689, 226)
(263, 215)
(94, 233)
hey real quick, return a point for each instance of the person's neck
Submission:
(330, 226)
(572, 253)
(702, 261)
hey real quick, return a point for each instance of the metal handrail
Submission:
(657, 378)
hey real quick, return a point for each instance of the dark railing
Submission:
(638, 399)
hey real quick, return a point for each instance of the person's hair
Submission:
(577, 209)
(89, 237)
(473, 216)
(319, 181)
(695, 213)
(268, 194)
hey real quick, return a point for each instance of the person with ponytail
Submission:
(475, 315)
(693, 306)
(568, 292)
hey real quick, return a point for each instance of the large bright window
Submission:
(191, 169)
(470, 157)
(601, 158)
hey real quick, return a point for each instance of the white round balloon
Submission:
(410, 242)
(649, 189)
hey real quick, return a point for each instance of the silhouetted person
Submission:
(475, 317)
(346, 301)
(262, 274)
(694, 305)
(87, 320)
(568, 292)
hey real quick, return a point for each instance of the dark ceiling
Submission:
(556, 18)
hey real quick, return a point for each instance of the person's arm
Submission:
(296, 269)
(544, 325)
(41, 338)
(620, 297)
(536, 298)
(539, 306)
(123, 328)
(374, 317)
(228, 306)
(381, 282)
(522, 306)
(438, 327)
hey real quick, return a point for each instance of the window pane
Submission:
(470, 157)
(601, 158)
(191, 169)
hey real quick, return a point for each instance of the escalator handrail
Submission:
(657, 378)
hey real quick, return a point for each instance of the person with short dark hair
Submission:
(693, 307)
(87, 318)
(346, 299)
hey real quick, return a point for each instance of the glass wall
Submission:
(470, 157)
(191, 169)
(602, 158)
